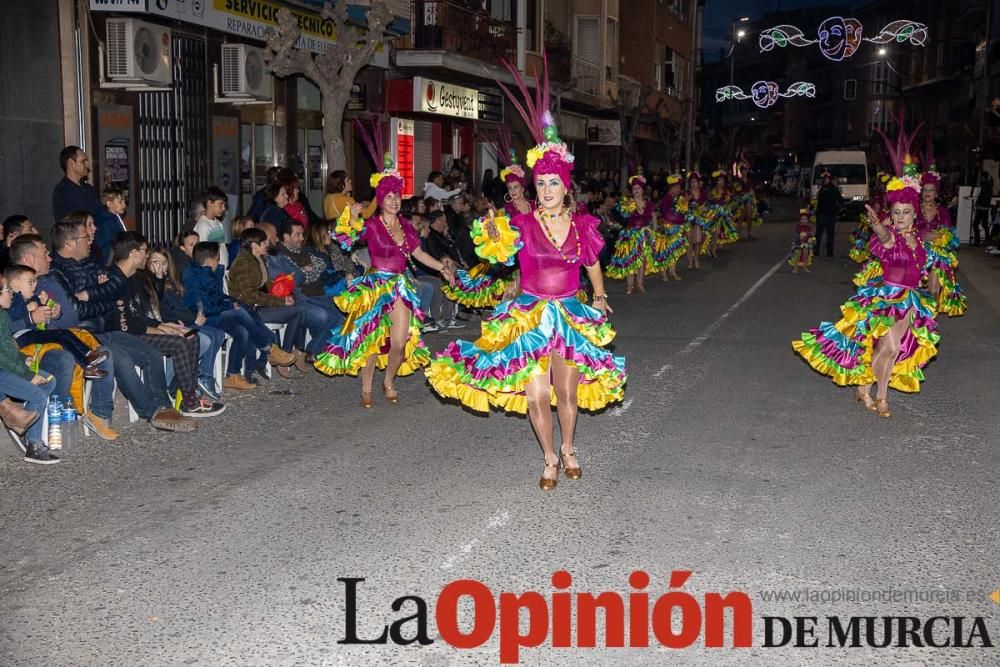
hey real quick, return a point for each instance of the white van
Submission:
(849, 170)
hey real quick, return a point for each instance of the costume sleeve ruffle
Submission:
(591, 241)
(348, 229)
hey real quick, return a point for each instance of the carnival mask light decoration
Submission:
(839, 38)
(765, 93)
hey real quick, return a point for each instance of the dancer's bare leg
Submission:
(539, 394)
(399, 334)
(886, 351)
(566, 382)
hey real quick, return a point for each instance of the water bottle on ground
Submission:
(55, 423)
(70, 428)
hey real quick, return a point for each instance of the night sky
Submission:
(719, 13)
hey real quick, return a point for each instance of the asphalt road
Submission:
(729, 457)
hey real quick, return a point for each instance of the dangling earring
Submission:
(507, 198)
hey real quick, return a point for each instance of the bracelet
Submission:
(601, 297)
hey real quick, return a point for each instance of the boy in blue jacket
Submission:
(203, 293)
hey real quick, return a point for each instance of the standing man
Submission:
(828, 203)
(72, 192)
(981, 216)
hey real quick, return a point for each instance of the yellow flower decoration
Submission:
(534, 155)
(502, 249)
(376, 177)
(895, 184)
(347, 225)
(681, 204)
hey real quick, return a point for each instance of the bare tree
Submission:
(630, 110)
(334, 70)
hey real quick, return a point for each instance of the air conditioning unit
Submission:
(244, 74)
(139, 53)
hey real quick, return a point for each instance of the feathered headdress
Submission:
(719, 173)
(507, 156)
(637, 178)
(905, 187)
(550, 155)
(930, 175)
(694, 176)
(388, 180)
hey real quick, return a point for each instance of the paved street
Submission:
(730, 457)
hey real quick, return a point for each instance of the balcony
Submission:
(588, 77)
(629, 91)
(447, 26)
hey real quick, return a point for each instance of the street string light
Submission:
(765, 93)
(839, 37)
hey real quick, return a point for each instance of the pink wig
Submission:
(931, 178)
(907, 195)
(388, 185)
(552, 162)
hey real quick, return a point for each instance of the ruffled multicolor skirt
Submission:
(514, 347)
(632, 252)
(669, 245)
(482, 286)
(368, 302)
(843, 351)
(859, 243)
(800, 250)
(943, 261)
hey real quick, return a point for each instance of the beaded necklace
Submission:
(399, 244)
(913, 252)
(552, 239)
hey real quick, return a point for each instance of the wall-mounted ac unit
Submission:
(139, 53)
(244, 74)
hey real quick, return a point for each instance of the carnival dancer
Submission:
(670, 232)
(722, 199)
(543, 347)
(802, 247)
(633, 248)
(887, 333)
(941, 244)
(383, 311)
(700, 218)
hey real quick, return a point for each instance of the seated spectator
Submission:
(240, 224)
(166, 293)
(338, 265)
(460, 229)
(109, 224)
(29, 250)
(209, 226)
(295, 209)
(22, 282)
(17, 381)
(252, 342)
(174, 340)
(339, 196)
(13, 226)
(441, 246)
(182, 249)
(260, 201)
(278, 195)
(322, 316)
(250, 286)
(95, 299)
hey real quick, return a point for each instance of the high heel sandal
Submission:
(880, 410)
(390, 394)
(546, 484)
(866, 399)
(366, 400)
(571, 473)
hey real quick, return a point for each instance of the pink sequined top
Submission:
(544, 272)
(385, 254)
(943, 219)
(512, 210)
(700, 199)
(901, 265)
(803, 230)
(643, 218)
(668, 213)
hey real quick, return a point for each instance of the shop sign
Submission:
(604, 132)
(430, 96)
(490, 106)
(115, 165)
(402, 152)
(122, 6)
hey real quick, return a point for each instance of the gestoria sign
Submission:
(432, 96)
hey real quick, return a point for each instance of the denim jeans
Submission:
(249, 336)
(294, 319)
(149, 393)
(60, 363)
(322, 318)
(210, 342)
(34, 397)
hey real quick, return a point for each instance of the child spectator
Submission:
(240, 224)
(252, 340)
(802, 247)
(17, 381)
(22, 282)
(209, 226)
(109, 222)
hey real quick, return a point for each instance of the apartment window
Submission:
(850, 89)
(502, 10)
(611, 48)
(531, 25)
(680, 74)
(587, 45)
(659, 60)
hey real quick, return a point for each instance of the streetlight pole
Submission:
(733, 36)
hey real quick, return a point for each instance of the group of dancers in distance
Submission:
(540, 347)
(908, 247)
(690, 221)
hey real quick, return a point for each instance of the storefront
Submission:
(434, 123)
